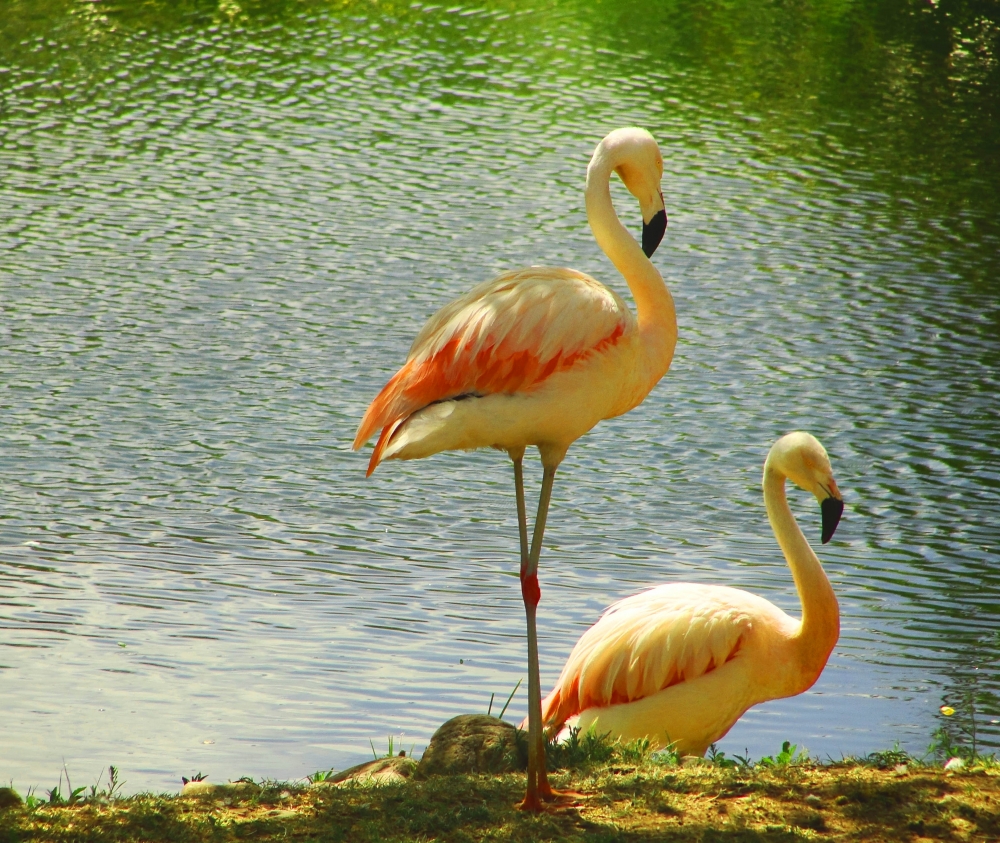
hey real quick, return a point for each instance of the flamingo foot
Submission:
(554, 802)
(560, 798)
(544, 798)
(531, 802)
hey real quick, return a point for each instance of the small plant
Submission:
(56, 797)
(197, 777)
(783, 758)
(321, 776)
(635, 752)
(578, 750)
(392, 749)
(963, 716)
(718, 758)
(944, 747)
(388, 754)
(668, 756)
(113, 782)
(78, 795)
(112, 791)
(31, 801)
(582, 750)
(956, 736)
(887, 758)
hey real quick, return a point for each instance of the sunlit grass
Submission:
(630, 794)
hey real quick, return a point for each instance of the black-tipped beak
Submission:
(832, 508)
(652, 232)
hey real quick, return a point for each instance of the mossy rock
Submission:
(380, 771)
(9, 798)
(474, 743)
(207, 789)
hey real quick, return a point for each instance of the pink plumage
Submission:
(647, 643)
(508, 335)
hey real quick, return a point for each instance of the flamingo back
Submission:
(507, 335)
(648, 642)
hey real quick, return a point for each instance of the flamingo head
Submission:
(637, 160)
(802, 459)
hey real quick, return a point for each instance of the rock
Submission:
(954, 764)
(379, 771)
(203, 788)
(9, 798)
(474, 743)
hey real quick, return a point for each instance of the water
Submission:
(222, 226)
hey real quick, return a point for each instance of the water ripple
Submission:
(219, 242)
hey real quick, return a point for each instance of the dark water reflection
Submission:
(222, 226)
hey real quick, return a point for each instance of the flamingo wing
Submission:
(646, 643)
(505, 336)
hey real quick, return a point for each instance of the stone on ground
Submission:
(472, 743)
(397, 768)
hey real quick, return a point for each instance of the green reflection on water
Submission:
(911, 90)
(898, 97)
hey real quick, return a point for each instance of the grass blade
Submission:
(502, 710)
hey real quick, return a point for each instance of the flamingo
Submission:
(679, 664)
(538, 356)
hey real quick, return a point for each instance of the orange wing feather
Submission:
(646, 643)
(507, 335)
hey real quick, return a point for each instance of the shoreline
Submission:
(629, 795)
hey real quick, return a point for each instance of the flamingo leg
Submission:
(536, 750)
(548, 477)
(522, 515)
(538, 783)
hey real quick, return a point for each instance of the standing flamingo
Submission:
(680, 664)
(537, 357)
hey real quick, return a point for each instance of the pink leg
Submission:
(538, 783)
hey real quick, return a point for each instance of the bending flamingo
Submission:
(680, 664)
(538, 357)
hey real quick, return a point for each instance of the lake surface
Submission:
(221, 226)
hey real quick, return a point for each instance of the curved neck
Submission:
(653, 302)
(820, 627)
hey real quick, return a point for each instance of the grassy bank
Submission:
(627, 798)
